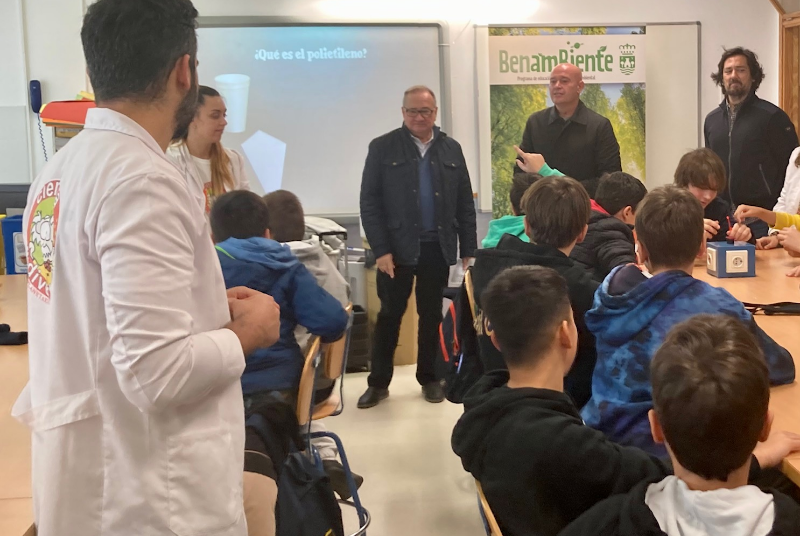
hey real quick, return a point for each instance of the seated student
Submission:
(711, 398)
(556, 213)
(634, 310)
(287, 225)
(250, 258)
(514, 224)
(522, 437)
(702, 173)
(609, 241)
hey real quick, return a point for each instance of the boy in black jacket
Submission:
(711, 408)
(702, 173)
(556, 214)
(521, 436)
(609, 241)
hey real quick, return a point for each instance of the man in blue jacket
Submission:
(416, 206)
(250, 258)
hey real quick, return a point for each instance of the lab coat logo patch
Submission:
(41, 235)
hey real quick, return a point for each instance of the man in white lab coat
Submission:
(134, 398)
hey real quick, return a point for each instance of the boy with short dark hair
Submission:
(702, 172)
(711, 400)
(556, 213)
(609, 241)
(522, 437)
(634, 310)
(240, 224)
(515, 223)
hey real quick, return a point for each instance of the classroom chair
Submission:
(489, 521)
(329, 361)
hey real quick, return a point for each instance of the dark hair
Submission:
(618, 190)
(238, 214)
(557, 210)
(669, 223)
(131, 46)
(522, 306)
(288, 223)
(519, 185)
(756, 71)
(711, 394)
(701, 168)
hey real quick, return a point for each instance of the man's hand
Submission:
(711, 228)
(778, 445)
(465, 262)
(794, 272)
(767, 242)
(531, 162)
(746, 211)
(740, 233)
(255, 318)
(789, 238)
(386, 264)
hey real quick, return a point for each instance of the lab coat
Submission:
(134, 398)
(180, 155)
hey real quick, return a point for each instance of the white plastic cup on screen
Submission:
(234, 89)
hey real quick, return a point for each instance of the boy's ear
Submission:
(655, 427)
(767, 426)
(527, 228)
(563, 334)
(703, 249)
(492, 336)
(267, 234)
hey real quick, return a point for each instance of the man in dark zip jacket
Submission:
(753, 137)
(416, 206)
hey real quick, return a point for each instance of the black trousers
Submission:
(431, 272)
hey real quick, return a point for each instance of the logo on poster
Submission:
(627, 59)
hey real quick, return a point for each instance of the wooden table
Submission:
(16, 514)
(769, 286)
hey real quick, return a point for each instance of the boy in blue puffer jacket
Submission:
(250, 258)
(634, 310)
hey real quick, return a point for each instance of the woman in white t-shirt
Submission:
(211, 168)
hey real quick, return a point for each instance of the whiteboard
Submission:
(316, 96)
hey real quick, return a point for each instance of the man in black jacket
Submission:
(753, 137)
(556, 211)
(572, 138)
(416, 206)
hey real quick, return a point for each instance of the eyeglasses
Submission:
(424, 112)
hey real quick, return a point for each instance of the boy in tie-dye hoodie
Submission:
(634, 309)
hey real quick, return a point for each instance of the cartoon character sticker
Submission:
(41, 235)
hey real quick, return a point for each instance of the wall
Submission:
(54, 54)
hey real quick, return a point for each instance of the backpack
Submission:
(306, 505)
(458, 361)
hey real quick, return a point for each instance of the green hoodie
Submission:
(514, 225)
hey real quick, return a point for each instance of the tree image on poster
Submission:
(511, 105)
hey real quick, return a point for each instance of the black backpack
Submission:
(306, 504)
(458, 362)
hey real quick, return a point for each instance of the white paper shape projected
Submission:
(235, 89)
(266, 155)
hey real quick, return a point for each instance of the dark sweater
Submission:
(608, 244)
(511, 251)
(540, 467)
(629, 515)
